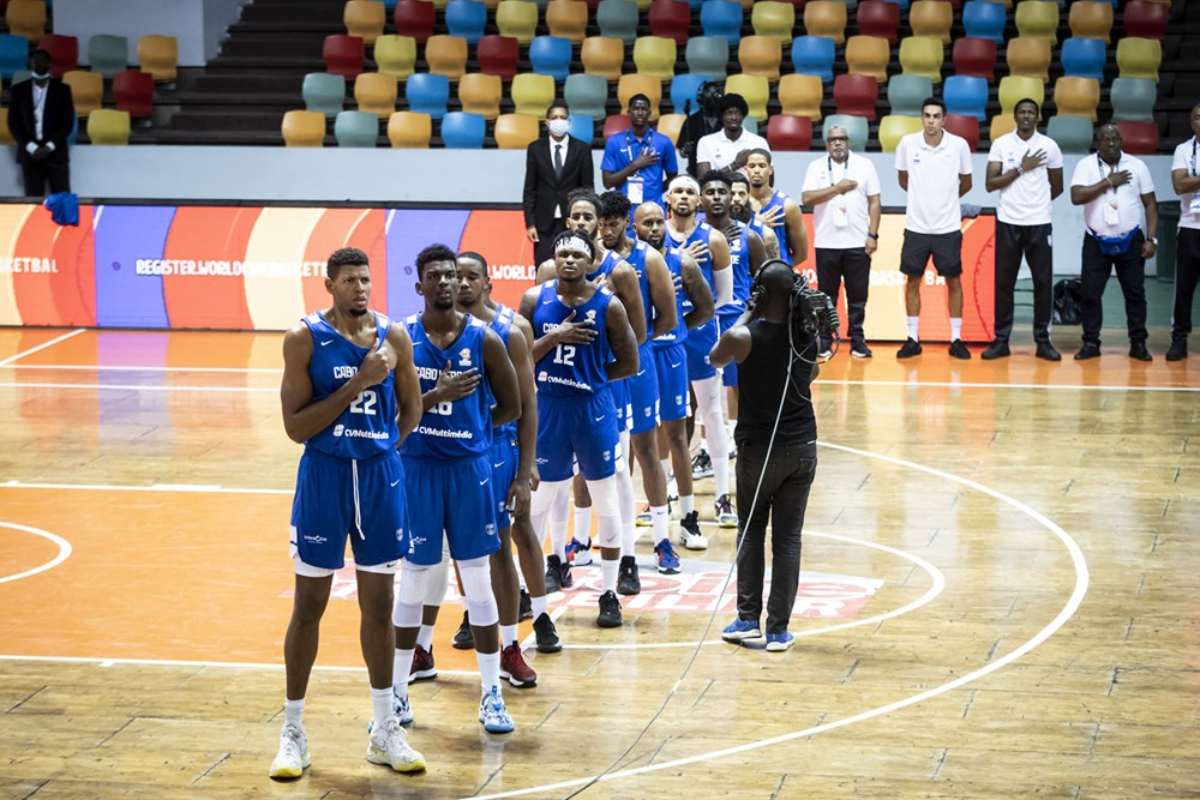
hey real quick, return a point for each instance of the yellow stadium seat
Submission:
(1077, 97)
(868, 55)
(922, 55)
(756, 91)
(446, 55)
(1139, 58)
(409, 129)
(396, 55)
(773, 18)
(1002, 124)
(629, 85)
(532, 93)
(893, 128)
(480, 94)
(603, 55)
(655, 56)
(87, 89)
(567, 19)
(375, 92)
(111, 127)
(6, 136)
(1029, 55)
(824, 18)
(1014, 88)
(931, 18)
(670, 125)
(800, 96)
(1038, 18)
(26, 18)
(159, 55)
(1091, 19)
(516, 131)
(760, 55)
(518, 19)
(365, 19)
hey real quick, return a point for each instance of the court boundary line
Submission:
(39, 348)
(64, 551)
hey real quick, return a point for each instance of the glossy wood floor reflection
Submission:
(999, 599)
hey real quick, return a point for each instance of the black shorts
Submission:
(946, 249)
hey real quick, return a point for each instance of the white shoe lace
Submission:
(291, 744)
(395, 743)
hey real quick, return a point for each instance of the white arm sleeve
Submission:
(724, 286)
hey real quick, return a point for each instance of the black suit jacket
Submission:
(544, 190)
(58, 117)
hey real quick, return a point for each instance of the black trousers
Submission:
(544, 249)
(784, 495)
(1131, 272)
(55, 171)
(1187, 271)
(854, 267)
(1032, 242)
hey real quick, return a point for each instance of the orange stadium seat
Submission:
(87, 89)
(516, 131)
(1029, 55)
(825, 18)
(364, 18)
(1090, 19)
(629, 85)
(670, 126)
(375, 92)
(159, 56)
(446, 55)
(410, 129)
(868, 55)
(760, 55)
(931, 18)
(603, 55)
(1078, 97)
(299, 128)
(567, 19)
(801, 95)
(480, 94)
(26, 18)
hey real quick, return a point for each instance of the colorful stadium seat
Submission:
(670, 19)
(299, 129)
(466, 18)
(786, 132)
(158, 56)
(480, 94)
(583, 128)
(773, 18)
(685, 91)
(1014, 88)
(615, 123)
(1072, 134)
(655, 55)
(1139, 58)
(965, 126)
(518, 19)
(1091, 20)
(365, 19)
(760, 55)
(14, 54)
(1076, 96)
(879, 18)
(414, 18)
(1146, 20)
(550, 55)
(856, 129)
(670, 125)
(976, 57)
(922, 55)
(567, 19)
(586, 95)
(708, 55)
(893, 128)
(26, 18)
(427, 94)
(1029, 55)
(756, 91)
(856, 94)
(618, 19)
(967, 95)
(107, 126)
(463, 131)
(498, 55)
(395, 55)
(868, 55)
(603, 55)
(813, 55)
(1001, 124)
(108, 55)
(1133, 99)
(134, 92)
(517, 131)
(1038, 18)
(64, 53)
(409, 129)
(722, 18)
(906, 93)
(446, 55)
(1084, 57)
(823, 18)
(1139, 138)
(629, 85)
(324, 92)
(984, 19)
(87, 89)
(343, 55)
(375, 92)
(801, 95)
(532, 94)
(932, 18)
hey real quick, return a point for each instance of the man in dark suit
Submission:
(554, 165)
(41, 115)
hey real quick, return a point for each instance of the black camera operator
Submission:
(775, 346)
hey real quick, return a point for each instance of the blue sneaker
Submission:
(668, 562)
(741, 630)
(579, 554)
(778, 642)
(493, 714)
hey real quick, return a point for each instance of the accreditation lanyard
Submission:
(635, 184)
(838, 205)
(1194, 203)
(1112, 214)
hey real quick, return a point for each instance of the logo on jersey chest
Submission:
(344, 372)
(464, 357)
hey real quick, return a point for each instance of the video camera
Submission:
(813, 313)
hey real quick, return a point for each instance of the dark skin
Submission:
(837, 143)
(639, 121)
(740, 209)
(1108, 147)
(303, 419)
(1182, 179)
(1026, 116)
(772, 306)
(731, 125)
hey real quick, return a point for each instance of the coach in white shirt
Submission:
(1185, 175)
(843, 189)
(1026, 168)
(720, 150)
(1114, 189)
(934, 167)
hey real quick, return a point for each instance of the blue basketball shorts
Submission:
(505, 458)
(577, 430)
(454, 496)
(699, 344)
(643, 391)
(336, 498)
(726, 316)
(670, 362)
(623, 403)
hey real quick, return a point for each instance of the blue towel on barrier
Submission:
(64, 207)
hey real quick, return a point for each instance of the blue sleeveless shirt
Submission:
(572, 370)
(683, 304)
(780, 228)
(739, 262)
(701, 234)
(502, 324)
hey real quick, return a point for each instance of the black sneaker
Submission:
(997, 349)
(610, 611)
(464, 639)
(859, 349)
(1177, 350)
(526, 607)
(702, 466)
(959, 350)
(1046, 351)
(628, 581)
(690, 536)
(909, 349)
(1089, 350)
(546, 634)
(558, 575)
(1138, 352)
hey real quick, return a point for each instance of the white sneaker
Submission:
(293, 757)
(389, 745)
(401, 708)
(493, 714)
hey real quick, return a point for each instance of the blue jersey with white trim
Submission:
(502, 324)
(637, 260)
(368, 426)
(702, 234)
(780, 228)
(572, 370)
(458, 429)
(739, 262)
(683, 303)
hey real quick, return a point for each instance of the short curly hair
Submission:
(345, 257)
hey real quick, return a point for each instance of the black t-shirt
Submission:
(761, 379)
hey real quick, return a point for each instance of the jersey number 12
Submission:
(565, 354)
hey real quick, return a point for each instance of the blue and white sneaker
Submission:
(668, 562)
(778, 642)
(579, 554)
(493, 714)
(402, 709)
(741, 630)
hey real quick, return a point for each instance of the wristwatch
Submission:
(872, 235)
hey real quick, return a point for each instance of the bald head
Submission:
(650, 224)
(647, 208)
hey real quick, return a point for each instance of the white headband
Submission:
(683, 180)
(577, 243)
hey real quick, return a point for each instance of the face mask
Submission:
(559, 127)
(40, 76)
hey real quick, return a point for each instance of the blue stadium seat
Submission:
(966, 94)
(463, 131)
(583, 128)
(722, 18)
(467, 19)
(813, 55)
(902, 3)
(550, 55)
(14, 54)
(1084, 58)
(984, 19)
(427, 94)
(684, 90)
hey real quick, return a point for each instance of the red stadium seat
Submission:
(966, 126)
(498, 55)
(670, 19)
(134, 92)
(786, 132)
(343, 55)
(879, 18)
(856, 94)
(975, 57)
(1140, 138)
(64, 53)
(1146, 20)
(615, 123)
(414, 18)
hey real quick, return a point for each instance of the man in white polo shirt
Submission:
(1026, 168)
(1114, 190)
(934, 167)
(720, 150)
(843, 189)
(1185, 175)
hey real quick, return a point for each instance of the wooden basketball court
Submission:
(999, 599)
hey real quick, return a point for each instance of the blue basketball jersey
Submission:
(683, 303)
(368, 426)
(458, 429)
(780, 228)
(701, 234)
(739, 262)
(637, 260)
(572, 370)
(502, 324)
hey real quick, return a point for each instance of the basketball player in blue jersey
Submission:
(776, 208)
(740, 209)
(711, 250)
(349, 395)
(582, 341)
(468, 386)
(693, 308)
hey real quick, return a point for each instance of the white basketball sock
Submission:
(425, 636)
(293, 712)
(912, 323)
(401, 666)
(660, 520)
(538, 604)
(583, 524)
(609, 570)
(489, 671)
(955, 328)
(381, 705)
(508, 635)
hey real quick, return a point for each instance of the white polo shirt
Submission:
(1025, 201)
(1120, 210)
(720, 151)
(841, 222)
(933, 172)
(1187, 157)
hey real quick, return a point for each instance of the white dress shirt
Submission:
(564, 144)
(933, 205)
(841, 223)
(1116, 211)
(39, 109)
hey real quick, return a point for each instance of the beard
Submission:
(359, 312)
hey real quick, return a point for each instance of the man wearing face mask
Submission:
(704, 117)
(41, 115)
(554, 166)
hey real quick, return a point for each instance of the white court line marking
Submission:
(166, 662)
(1068, 610)
(151, 368)
(64, 551)
(1050, 386)
(42, 346)
(139, 387)
(153, 487)
(937, 581)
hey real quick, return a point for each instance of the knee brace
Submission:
(547, 496)
(607, 508)
(410, 595)
(435, 582)
(708, 402)
(477, 585)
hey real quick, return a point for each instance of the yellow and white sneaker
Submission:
(293, 757)
(389, 745)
